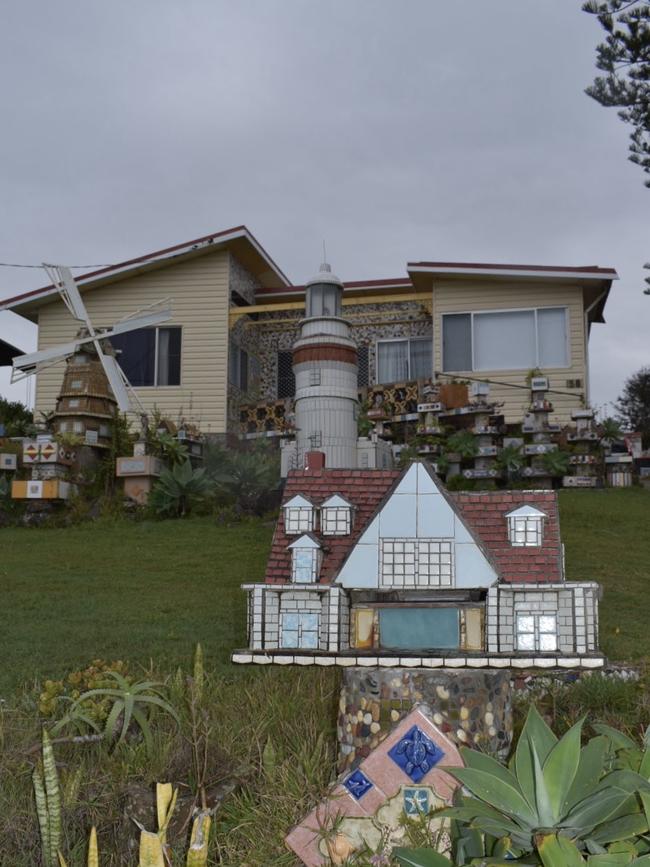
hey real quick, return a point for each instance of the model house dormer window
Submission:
(525, 527)
(306, 557)
(299, 516)
(336, 516)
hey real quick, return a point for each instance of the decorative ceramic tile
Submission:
(416, 800)
(357, 784)
(415, 754)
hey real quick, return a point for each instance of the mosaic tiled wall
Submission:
(471, 708)
(277, 331)
(244, 284)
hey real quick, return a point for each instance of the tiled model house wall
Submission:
(385, 567)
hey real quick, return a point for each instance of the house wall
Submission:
(474, 296)
(199, 293)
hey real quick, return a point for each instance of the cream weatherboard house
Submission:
(236, 317)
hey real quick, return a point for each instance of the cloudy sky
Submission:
(418, 129)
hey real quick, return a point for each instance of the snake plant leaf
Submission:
(557, 851)
(420, 858)
(93, 851)
(151, 850)
(53, 797)
(594, 810)
(496, 792)
(546, 816)
(41, 812)
(632, 825)
(62, 861)
(590, 770)
(197, 854)
(198, 673)
(535, 731)
(561, 766)
(165, 805)
(618, 739)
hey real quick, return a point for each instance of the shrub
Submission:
(179, 489)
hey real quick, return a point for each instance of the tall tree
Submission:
(624, 57)
(633, 406)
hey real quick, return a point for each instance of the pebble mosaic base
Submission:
(471, 708)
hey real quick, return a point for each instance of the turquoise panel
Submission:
(419, 628)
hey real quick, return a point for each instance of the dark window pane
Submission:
(169, 356)
(137, 355)
(421, 359)
(286, 379)
(243, 370)
(419, 628)
(363, 378)
(457, 341)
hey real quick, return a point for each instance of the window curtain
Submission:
(421, 359)
(392, 361)
(505, 341)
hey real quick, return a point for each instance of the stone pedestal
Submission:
(472, 708)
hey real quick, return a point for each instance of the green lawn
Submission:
(151, 590)
(123, 591)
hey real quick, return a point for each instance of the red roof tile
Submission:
(483, 511)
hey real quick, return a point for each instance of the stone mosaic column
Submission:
(473, 708)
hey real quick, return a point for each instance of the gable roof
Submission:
(483, 512)
(242, 243)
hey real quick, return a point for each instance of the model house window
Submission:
(537, 632)
(299, 516)
(150, 356)
(335, 522)
(416, 563)
(402, 628)
(237, 366)
(299, 629)
(401, 360)
(305, 560)
(505, 340)
(286, 379)
(525, 527)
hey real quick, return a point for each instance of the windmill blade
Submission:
(116, 379)
(32, 362)
(62, 278)
(143, 320)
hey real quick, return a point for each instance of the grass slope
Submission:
(151, 590)
(119, 590)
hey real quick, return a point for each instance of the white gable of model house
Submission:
(416, 540)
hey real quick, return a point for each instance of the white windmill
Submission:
(34, 362)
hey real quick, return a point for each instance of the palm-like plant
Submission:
(132, 703)
(511, 460)
(179, 489)
(556, 463)
(248, 478)
(463, 443)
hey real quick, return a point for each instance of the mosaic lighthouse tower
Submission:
(325, 367)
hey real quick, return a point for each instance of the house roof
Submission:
(243, 244)
(484, 512)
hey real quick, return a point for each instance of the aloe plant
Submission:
(179, 489)
(131, 704)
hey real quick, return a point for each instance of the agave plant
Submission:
(179, 489)
(552, 787)
(132, 703)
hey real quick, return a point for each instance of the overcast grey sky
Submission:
(410, 129)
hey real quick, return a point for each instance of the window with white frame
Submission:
(401, 360)
(506, 339)
(305, 560)
(150, 356)
(299, 629)
(336, 516)
(238, 366)
(416, 563)
(299, 516)
(525, 527)
(537, 632)
(336, 520)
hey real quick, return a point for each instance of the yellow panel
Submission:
(362, 627)
(473, 629)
